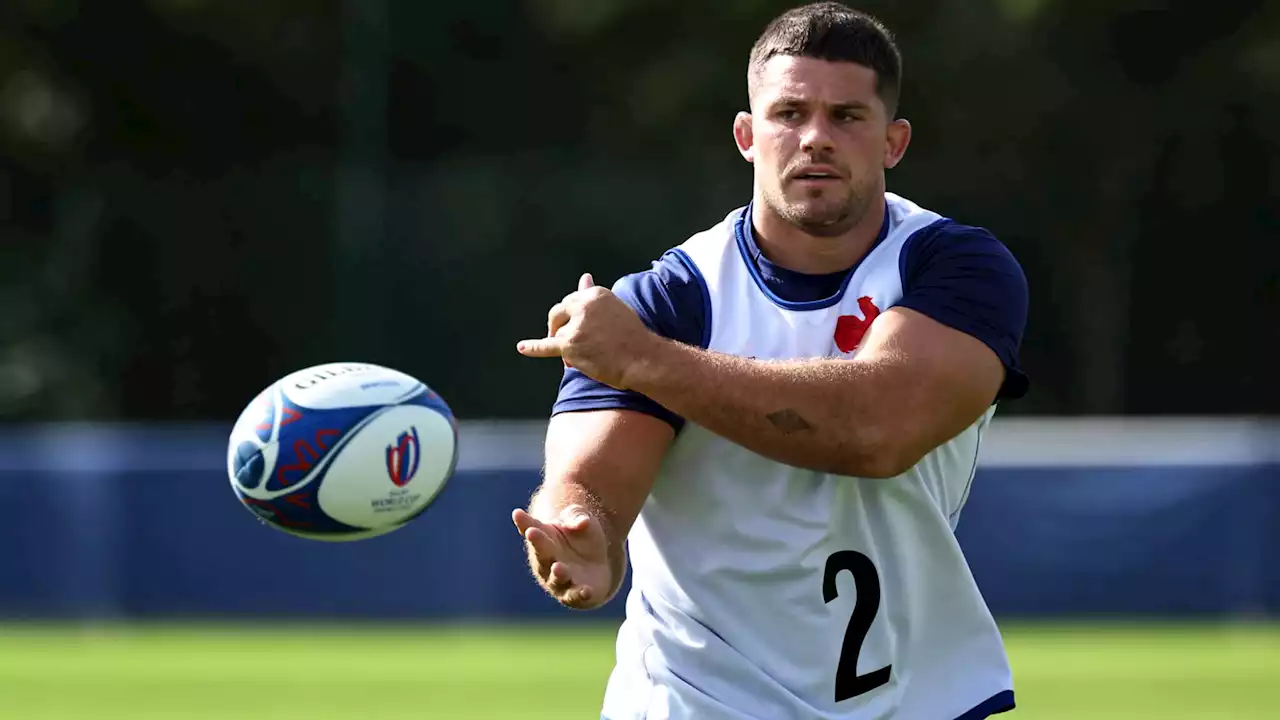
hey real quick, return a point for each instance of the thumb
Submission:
(585, 281)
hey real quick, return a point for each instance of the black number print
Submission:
(866, 580)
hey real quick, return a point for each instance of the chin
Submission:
(820, 218)
(818, 215)
(823, 216)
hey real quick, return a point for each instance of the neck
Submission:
(790, 247)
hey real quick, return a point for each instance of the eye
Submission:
(787, 114)
(846, 116)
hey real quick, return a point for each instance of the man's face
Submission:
(820, 139)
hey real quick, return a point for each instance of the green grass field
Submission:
(527, 673)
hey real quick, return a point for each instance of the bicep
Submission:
(938, 380)
(964, 278)
(613, 454)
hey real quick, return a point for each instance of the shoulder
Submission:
(965, 277)
(672, 296)
(965, 249)
(705, 250)
(672, 300)
(669, 297)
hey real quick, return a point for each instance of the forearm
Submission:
(605, 462)
(827, 415)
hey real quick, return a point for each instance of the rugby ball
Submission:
(342, 451)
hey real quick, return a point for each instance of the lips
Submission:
(816, 173)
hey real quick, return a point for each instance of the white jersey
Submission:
(767, 592)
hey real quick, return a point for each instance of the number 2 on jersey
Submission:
(866, 582)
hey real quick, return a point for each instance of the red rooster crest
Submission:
(851, 328)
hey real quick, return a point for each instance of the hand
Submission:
(569, 556)
(595, 332)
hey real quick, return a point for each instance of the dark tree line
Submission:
(196, 198)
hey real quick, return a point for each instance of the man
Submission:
(780, 422)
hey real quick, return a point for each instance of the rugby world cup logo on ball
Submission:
(402, 457)
(312, 453)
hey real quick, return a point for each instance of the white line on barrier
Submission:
(517, 445)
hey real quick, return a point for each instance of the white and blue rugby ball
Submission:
(342, 451)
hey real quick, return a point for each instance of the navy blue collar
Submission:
(802, 291)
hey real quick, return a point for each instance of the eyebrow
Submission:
(848, 105)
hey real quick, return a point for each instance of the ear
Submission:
(897, 138)
(743, 136)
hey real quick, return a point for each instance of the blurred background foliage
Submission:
(197, 197)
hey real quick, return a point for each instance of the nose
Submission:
(816, 138)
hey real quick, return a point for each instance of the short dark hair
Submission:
(835, 32)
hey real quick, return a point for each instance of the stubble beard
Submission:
(825, 218)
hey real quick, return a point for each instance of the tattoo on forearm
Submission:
(789, 421)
